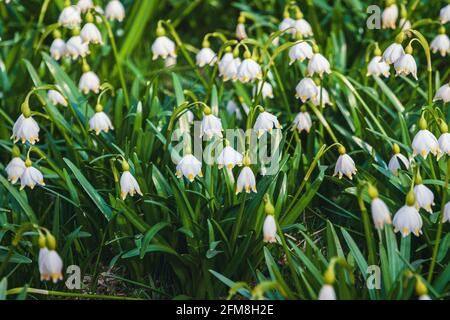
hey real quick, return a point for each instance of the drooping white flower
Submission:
(241, 34)
(55, 97)
(445, 14)
(89, 81)
(25, 129)
(443, 93)
(206, 57)
(394, 163)
(325, 97)
(424, 197)
(31, 176)
(246, 180)
(318, 64)
(58, 49)
(327, 292)
(306, 89)
(44, 273)
(393, 53)
(444, 144)
(170, 62)
(229, 66)
(128, 184)
(377, 67)
(303, 27)
(233, 108)
(405, 24)
(189, 167)
(265, 88)
(211, 126)
(229, 158)
(90, 34)
(380, 213)
(249, 69)
(302, 122)
(345, 166)
(270, 229)
(300, 51)
(288, 25)
(389, 16)
(163, 47)
(407, 219)
(441, 43)
(406, 64)
(70, 17)
(425, 142)
(265, 123)
(85, 5)
(53, 265)
(100, 121)
(15, 169)
(76, 48)
(115, 11)
(446, 212)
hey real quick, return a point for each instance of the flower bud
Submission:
(423, 125)
(41, 241)
(444, 127)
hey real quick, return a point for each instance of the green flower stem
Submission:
(366, 223)
(324, 122)
(66, 294)
(237, 225)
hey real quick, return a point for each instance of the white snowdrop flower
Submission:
(246, 180)
(70, 17)
(318, 64)
(128, 183)
(233, 108)
(443, 93)
(163, 47)
(444, 143)
(44, 274)
(89, 81)
(302, 122)
(345, 166)
(170, 62)
(211, 125)
(445, 14)
(75, 48)
(115, 11)
(270, 229)
(306, 89)
(424, 141)
(405, 24)
(300, 52)
(55, 97)
(302, 26)
(424, 197)
(241, 34)
(394, 163)
(58, 49)
(265, 123)
(15, 167)
(266, 90)
(407, 219)
(229, 66)
(229, 158)
(206, 57)
(249, 69)
(394, 51)
(100, 121)
(441, 43)
(327, 292)
(389, 16)
(25, 129)
(406, 64)
(380, 213)
(53, 265)
(288, 25)
(85, 5)
(224, 60)
(325, 97)
(31, 176)
(90, 34)
(189, 167)
(447, 212)
(378, 67)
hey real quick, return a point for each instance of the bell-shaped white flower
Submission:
(189, 167)
(233, 109)
(246, 180)
(249, 69)
(76, 48)
(378, 67)
(303, 27)
(229, 158)
(55, 97)
(306, 89)
(394, 163)
(405, 24)
(128, 183)
(424, 141)
(115, 11)
(170, 62)
(90, 34)
(270, 229)
(100, 121)
(393, 53)
(163, 47)
(345, 166)
(206, 57)
(325, 97)
(380, 213)
(446, 212)
(288, 25)
(15, 169)
(241, 34)
(407, 219)
(424, 197)
(300, 52)
(44, 274)
(265, 88)
(31, 176)
(441, 43)
(406, 64)
(445, 14)
(318, 64)
(211, 125)
(327, 292)
(443, 93)
(229, 66)
(53, 265)
(25, 129)
(70, 17)
(265, 123)
(85, 5)
(444, 144)
(58, 49)
(302, 122)
(89, 81)
(389, 16)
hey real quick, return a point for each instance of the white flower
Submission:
(163, 47)
(45, 275)
(233, 108)
(31, 176)
(377, 67)
(306, 89)
(270, 229)
(405, 24)
(246, 181)
(115, 11)
(425, 142)
(89, 82)
(170, 62)
(240, 31)
(56, 98)
(424, 197)
(345, 166)
(15, 169)
(53, 264)
(128, 185)
(407, 220)
(393, 53)
(85, 5)
(325, 97)
(189, 167)
(70, 17)
(303, 27)
(266, 122)
(266, 90)
(406, 65)
(100, 121)
(389, 16)
(25, 129)
(58, 49)
(211, 126)
(287, 24)
(249, 70)
(229, 158)
(394, 164)
(318, 64)
(229, 66)
(300, 51)
(90, 34)
(327, 292)
(445, 14)
(444, 144)
(443, 93)
(441, 43)
(75, 48)
(424, 297)
(302, 122)
(206, 57)
(447, 212)
(380, 213)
